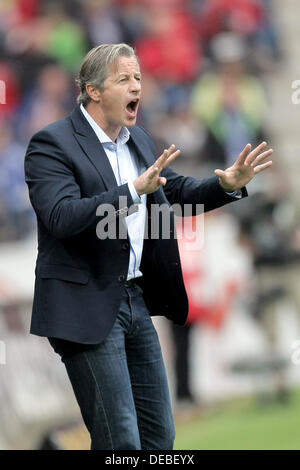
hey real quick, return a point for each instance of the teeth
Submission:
(131, 105)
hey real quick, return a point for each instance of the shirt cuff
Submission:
(237, 193)
(135, 197)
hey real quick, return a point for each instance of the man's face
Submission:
(119, 100)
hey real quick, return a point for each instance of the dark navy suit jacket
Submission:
(79, 277)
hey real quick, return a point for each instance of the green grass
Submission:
(243, 425)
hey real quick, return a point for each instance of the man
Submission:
(94, 295)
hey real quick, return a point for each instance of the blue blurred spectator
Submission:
(50, 99)
(16, 215)
(102, 20)
(229, 101)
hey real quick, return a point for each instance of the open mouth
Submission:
(132, 106)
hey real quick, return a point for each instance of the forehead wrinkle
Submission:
(129, 73)
(126, 67)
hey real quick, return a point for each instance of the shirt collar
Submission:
(123, 136)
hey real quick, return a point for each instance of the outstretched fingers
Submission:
(167, 157)
(171, 158)
(261, 157)
(262, 167)
(162, 159)
(244, 153)
(255, 152)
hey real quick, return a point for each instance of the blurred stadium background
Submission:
(216, 75)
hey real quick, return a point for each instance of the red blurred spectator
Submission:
(240, 16)
(212, 288)
(16, 12)
(27, 9)
(170, 52)
(210, 294)
(171, 4)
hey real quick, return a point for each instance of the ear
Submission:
(93, 92)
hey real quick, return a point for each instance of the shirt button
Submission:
(121, 278)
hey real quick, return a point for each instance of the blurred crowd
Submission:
(205, 67)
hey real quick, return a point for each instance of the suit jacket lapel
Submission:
(143, 151)
(93, 149)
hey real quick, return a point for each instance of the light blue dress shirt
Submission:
(126, 169)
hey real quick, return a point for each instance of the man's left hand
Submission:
(245, 168)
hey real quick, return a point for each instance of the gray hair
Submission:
(94, 68)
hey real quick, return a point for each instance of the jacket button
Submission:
(125, 246)
(121, 278)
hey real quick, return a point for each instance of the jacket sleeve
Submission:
(202, 194)
(55, 194)
(205, 192)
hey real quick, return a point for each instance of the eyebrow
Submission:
(127, 73)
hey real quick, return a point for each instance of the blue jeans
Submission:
(120, 384)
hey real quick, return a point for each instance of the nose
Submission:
(135, 85)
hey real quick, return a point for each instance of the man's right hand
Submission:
(150, 181)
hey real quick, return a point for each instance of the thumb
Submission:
(219, 173)
(162, 180)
